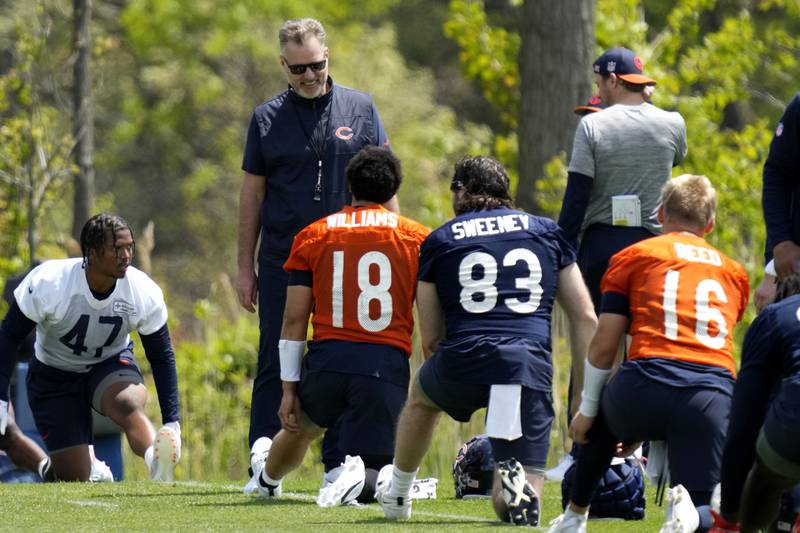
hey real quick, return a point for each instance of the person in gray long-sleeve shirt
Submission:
(620, 160)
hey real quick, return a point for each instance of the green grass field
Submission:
(200, 506)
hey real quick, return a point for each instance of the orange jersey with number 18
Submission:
(364, 263)
(685, 298)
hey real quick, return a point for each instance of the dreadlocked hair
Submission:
(93, 234)
(485, 184)
(788, 286)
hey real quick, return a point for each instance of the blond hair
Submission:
(689, 198)
(299, 30)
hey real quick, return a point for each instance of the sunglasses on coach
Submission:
(301, 69)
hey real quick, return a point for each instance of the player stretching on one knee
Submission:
(354, 270)
(83, 312)
(680, 299)
(488, 281)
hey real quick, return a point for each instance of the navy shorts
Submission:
(460, 400)
(367, 409)
(692, 420)
(62, 401)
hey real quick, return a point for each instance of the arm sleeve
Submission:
(781, 171)
(15, 327)
(573, 208)
(616, 303)
(158, 349)
(253, 161)
(750, 399)
(301, 277)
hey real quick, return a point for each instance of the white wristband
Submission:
(291, 354)
(594, 379)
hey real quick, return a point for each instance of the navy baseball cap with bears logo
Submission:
(624, 64)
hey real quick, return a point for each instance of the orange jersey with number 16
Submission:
(364, 263)
(685, 298)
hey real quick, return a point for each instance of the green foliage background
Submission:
(175, 82)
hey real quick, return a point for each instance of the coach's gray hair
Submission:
(298, 30)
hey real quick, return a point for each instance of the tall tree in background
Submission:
(83, 116)
(555, 59)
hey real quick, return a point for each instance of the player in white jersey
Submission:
(83, 312)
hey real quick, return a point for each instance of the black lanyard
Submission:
(318, 150)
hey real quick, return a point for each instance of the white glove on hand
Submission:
(3, 416)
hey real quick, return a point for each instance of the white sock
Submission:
(148, 457)
(265, 479)
(401, 482)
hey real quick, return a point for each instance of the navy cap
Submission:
(592, 105)
(624, 63)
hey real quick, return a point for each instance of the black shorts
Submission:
(62, 401)
(460, 400)
(367, 409)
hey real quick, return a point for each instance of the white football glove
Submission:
(3, 416)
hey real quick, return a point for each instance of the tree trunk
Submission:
(555, 63)
(83, 118)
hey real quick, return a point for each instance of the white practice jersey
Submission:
(74, 329)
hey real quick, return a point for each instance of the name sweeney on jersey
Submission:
(358, 219)
(475, 227)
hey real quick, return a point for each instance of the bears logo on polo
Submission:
(345, 133)
(779, 129)
(637, 62)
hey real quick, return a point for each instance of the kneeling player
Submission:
(355, 271)
(681, 299)
(761, 459)
(83, 312)
(488, 281)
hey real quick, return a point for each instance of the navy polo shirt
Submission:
(496, 275)
(286, 138)
(780, 197)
